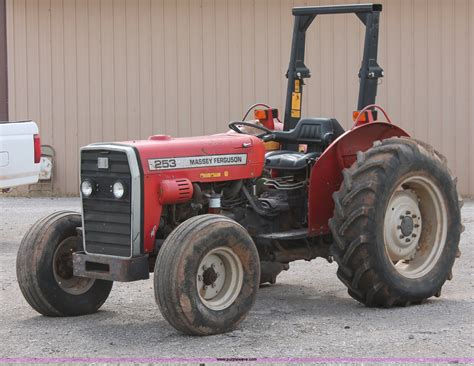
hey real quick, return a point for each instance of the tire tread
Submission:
(356, 270)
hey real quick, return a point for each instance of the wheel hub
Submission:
(209, 276)
(219, 278)
(407, 226)
(63, 269)
(402, 225)
(413, 248)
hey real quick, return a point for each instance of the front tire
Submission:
(396, 224)
(44, 269)
(206, 275)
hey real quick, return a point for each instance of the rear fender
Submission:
(326, 174)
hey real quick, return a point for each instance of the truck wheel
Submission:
(396, 224)
(206, 275)
(45, 274)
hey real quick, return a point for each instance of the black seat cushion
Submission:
(288, 160)
(316, 133)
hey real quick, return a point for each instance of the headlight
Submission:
(118, 190)
(86, 188)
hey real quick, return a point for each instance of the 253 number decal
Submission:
(164, 164)
(199, 161)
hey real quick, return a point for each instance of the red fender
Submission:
(326, 174)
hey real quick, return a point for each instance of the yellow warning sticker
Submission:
(295, 113)
(296, 101)
(297, 86)
(210, 175)
(271, 145)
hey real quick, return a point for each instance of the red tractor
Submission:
(215, 216)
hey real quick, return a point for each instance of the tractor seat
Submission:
(316, 133)
(289, 160)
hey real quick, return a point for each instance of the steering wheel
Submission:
(233, 127)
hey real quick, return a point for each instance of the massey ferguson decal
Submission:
(197, 161)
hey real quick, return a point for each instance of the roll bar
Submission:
(370, 71)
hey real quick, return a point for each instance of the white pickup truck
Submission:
(20, 153)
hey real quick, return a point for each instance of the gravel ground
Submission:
(306, 314)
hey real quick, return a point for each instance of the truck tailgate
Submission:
(17, 154)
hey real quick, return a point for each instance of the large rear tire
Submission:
(44, 269)
(206, 275)
(396, 224)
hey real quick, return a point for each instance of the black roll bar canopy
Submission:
(369, 73)
(337, 9)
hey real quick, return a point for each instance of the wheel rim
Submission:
(63, 269)
(415, 226)
(219, 278)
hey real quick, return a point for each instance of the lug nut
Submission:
(199, 278)
(213, 285)
(413, 235)
(399, 227)
(204, 267)
(408, 212)
(417, 225)
(401, 236)
(213, 266)
(413, 216)
(407, 240)
(402, 217)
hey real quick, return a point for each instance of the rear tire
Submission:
(396, 224)
(206, 275)
(44, 269)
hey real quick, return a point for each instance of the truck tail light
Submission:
(37, 148)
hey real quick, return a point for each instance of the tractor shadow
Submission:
(278, 307)
(288, 305)
(302, 301)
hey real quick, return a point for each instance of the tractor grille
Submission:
(107, 220)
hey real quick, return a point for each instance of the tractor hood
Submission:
(218, 157)
(162, 172)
